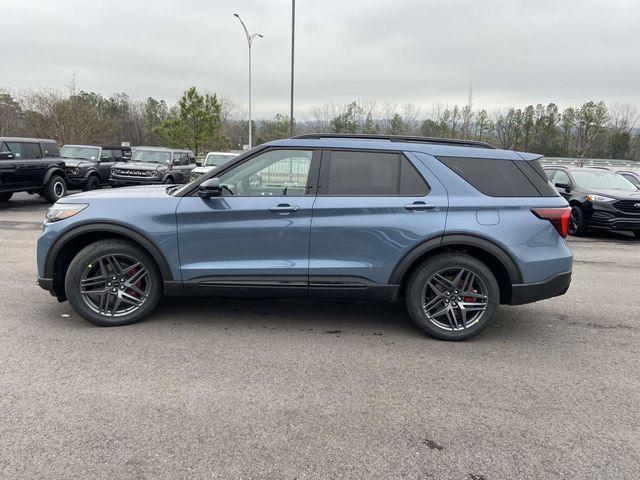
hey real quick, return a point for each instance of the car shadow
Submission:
(604, 236)
(284, 314)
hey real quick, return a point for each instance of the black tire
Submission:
(5, 197)
(89, 258)
(169, 181)
(418, 288)
(55, 189)
(92, 183)
(576, 222)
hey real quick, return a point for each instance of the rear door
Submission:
(183, 167)
(372, 208)
(32, 166)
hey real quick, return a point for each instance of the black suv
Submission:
(89, 166)
(151, 165)
(599, 198)
(31, 165)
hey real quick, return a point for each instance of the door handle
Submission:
(284, 208)
(419, 206)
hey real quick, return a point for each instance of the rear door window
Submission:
(31, 150)
(365, 173)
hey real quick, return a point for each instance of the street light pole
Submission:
(250, 39)
(293, 40)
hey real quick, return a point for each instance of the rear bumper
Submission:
(532, 292)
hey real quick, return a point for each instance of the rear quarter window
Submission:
(501, 178)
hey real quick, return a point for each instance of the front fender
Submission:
(54, 171)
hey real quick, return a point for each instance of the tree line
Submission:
(203, 121)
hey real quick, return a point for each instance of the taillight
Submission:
(559, 218)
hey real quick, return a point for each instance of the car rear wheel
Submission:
(452, 296)
(112, 283)
(5, 197)
(55, 189)
(93, 183)
(576, 222)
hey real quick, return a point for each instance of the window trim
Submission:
(323, 177)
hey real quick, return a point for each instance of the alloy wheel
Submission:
(115, 285)
(455, 299)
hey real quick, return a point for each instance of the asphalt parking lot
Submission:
(257, 389)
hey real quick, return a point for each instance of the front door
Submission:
(107, 159)
(256, 234)
(30, 166)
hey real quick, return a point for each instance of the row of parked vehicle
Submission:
(601, 198)
(38, 166)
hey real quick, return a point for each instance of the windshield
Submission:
(85, 153)
(215, 159)
(151, 156)
(602, 180)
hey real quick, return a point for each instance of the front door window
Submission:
(281, 173)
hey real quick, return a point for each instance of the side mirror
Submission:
(209, 188)
(6, 156)
(565, 186)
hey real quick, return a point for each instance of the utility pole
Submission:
(293, 40)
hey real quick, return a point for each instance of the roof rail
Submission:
(400, 138)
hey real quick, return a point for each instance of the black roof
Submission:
(400, 138)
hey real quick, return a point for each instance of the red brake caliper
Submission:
(137, 284)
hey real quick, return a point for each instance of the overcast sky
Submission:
(514, 52)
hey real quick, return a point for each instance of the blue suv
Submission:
(453, 227)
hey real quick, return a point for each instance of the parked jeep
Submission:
(89, 166)
(31, 165)
(152, 165)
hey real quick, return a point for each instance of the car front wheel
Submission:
(55, 189)
(576, 222)
(93, 183)
(113, 283)
(452, 296)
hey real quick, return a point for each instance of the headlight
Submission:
(599, 198)
(60, 211)
(73, 170)
(155, 173)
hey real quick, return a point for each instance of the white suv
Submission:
(212, 160)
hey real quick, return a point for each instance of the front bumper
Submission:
(533, 292)
(613, 220)
(122, 181)
(76, 181)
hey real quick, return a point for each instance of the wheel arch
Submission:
(54, 171)
(499, 261)
(71, 242)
